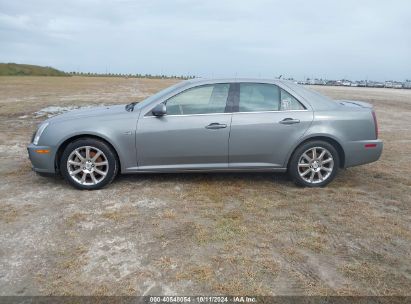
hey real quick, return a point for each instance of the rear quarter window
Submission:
(289, 102)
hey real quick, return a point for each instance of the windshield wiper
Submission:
(130, 106)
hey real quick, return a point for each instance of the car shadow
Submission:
(175, 178)
(209, 176)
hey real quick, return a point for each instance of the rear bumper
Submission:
(362, 152)
(42, 162)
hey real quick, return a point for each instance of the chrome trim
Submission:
(258, 112)
(192, 83)
(181, 170)
(305, 110)
(179, 115)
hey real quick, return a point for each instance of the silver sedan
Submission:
(211, 125)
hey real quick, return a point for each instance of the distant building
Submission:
(360, 83)
(393, 84)
(375, 84)
(397, 85)
(388, 84)
(346, 83)
(315, 81)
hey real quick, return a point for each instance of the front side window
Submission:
(255, 97)
(204, 99)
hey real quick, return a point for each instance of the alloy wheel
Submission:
(87, 165)
(315, 165)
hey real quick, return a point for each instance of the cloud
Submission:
(350, 38)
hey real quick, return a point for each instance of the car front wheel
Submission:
(89, 164)
(314, 164)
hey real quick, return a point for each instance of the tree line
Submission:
(150, 76)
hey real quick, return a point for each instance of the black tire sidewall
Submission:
(293, 168)
(107, 150)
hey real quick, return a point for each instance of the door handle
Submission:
(289, 121)
(215, 126)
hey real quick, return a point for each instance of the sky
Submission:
(354, 39)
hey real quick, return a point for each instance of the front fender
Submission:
(119, 133)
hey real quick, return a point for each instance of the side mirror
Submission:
(159, 110)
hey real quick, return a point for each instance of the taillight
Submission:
(375, 124)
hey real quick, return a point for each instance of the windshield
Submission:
(158, 95)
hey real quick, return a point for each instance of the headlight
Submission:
(40, 130)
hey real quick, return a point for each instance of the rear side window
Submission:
(255, 97)
(289, 102)
(259, 97)
(204, 99)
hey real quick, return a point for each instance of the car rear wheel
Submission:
(89, 164)
(314, 164)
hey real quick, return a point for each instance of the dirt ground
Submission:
(192, 234)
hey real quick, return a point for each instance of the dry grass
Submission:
(120, 215)
(25, 95)
(10, 213)
(75, 218)
(384, 282)
(73, 258)
(169, 214)
(201, 233)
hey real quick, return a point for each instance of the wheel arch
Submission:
(328, 139)
(67, 141)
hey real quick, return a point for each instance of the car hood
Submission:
(90, 112)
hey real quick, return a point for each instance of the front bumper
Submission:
(362, 152)
(42, 162)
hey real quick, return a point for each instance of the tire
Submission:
(308, 170)
(89, 164)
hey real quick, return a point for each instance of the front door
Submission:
(268, 123)
(192, 135)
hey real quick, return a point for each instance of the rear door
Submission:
(192, 135)
(268, 122)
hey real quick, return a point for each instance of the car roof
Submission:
(234, 79)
